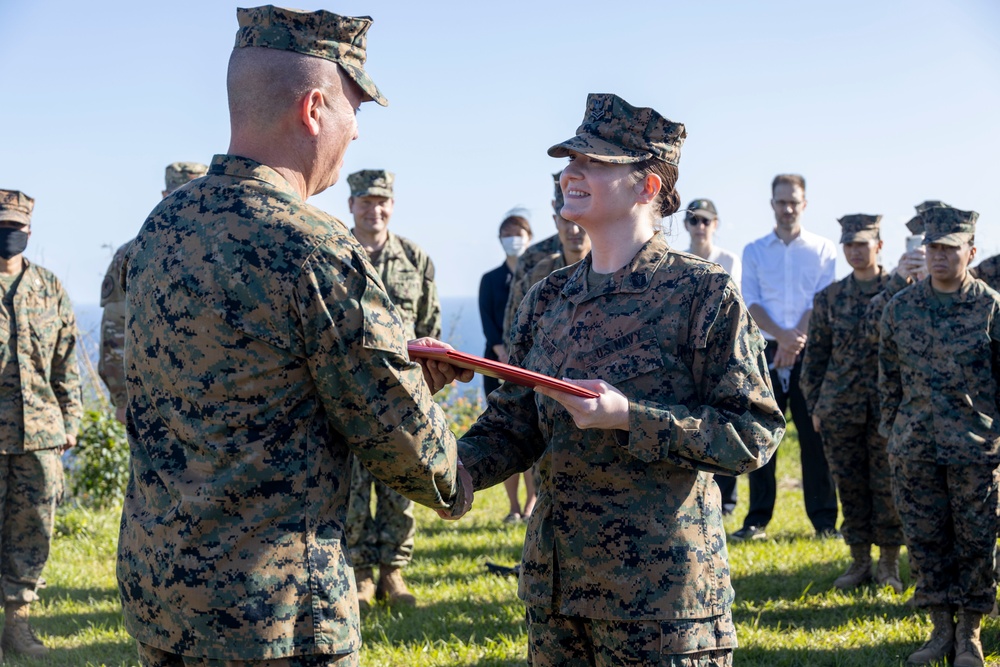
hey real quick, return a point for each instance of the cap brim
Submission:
(15, 216)
(956, 239)
(701, 213)
(366, 84)
(858, 237)
(374, 192)
(598, 149)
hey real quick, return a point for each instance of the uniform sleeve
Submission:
(429, 309)
(518, 289)
(737, 426)
(65, 376)
(373, 396)
(750, 286)
(819, 347)
(506, 438)
(111, 364)
(890, 389)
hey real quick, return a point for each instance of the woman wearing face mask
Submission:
(494, 288)
(625, 556)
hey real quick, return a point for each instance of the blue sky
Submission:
(880, 104)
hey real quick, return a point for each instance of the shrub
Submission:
(98, 467)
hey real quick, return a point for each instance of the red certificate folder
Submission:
(495, 369)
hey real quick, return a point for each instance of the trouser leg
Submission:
(973, 497)
(362, 536)
(847, 453)
(32, 485)
(395, 526)
(887, 531)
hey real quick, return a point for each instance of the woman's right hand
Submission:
(608, 411)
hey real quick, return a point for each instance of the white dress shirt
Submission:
(727, 260)
(783, 279)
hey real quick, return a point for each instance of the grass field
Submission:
(785, 611)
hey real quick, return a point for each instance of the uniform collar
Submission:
(964, 293)
(246, 169)
(634, 278)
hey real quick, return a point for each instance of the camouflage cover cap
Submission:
(916, 225)
(703, 208)
(557, 195)
(859, 227)
(179, 173)
(949, 226)
(923, 207)
(321, 34)
(371, 183)
(16, 206)
(615, 131)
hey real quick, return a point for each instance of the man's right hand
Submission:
(439, 374)
(463, 503)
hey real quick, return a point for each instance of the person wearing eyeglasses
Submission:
(701, 220)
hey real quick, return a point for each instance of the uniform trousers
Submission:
(150, 656)
(555, 640)
(31, 485)
(818, 489)
(384, 539)
(949, 515)
(860, 466)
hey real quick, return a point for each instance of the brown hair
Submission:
(668, 201)
(790, 179)
(517, 221)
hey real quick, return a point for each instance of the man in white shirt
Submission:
(782, 272)
(701, 220)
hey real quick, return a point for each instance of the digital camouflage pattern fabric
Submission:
(256, 367)
(31, 485)
(634, 518)
(615, 131)
(988, 271)
(387, 538)
(177, 174)
(39, 380)
(949, 226)
(554, 641)
(859, 227)
(321, 34)
(939, 368)
(839, 380)
(371, 183)
(16, 206)
(523, 271)
(111, 362)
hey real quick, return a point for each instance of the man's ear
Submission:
(309, 111)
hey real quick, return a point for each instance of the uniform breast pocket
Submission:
(622, 362)
(404, 289)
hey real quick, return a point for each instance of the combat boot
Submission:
(968, 648)
(887, 570)
(366, 586)
(18, 636)
(391, 587)
(941, 645)
(860, 570)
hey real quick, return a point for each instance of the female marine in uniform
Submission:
(625, 557)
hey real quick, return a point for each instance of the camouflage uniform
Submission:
(988, 271)
(521, 281)
(408, 275)
(839, 377)
(111, 365)
(627, 536)
(42, 405)
(261, 352)
(939, 367)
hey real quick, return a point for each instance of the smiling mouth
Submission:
(577, 193)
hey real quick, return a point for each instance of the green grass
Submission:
(786, 612)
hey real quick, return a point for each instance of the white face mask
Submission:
(514, 246)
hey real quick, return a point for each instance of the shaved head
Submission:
(263, 84)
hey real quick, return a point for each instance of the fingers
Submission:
(463, 502)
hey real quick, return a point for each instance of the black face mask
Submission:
(12, 242)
